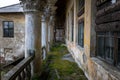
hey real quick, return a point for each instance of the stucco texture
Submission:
(16, 43)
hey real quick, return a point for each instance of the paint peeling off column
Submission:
(32, 10)
(44, 27)
(33, 38)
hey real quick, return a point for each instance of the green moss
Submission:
(5, 70)
(35, 78)
(65, 69)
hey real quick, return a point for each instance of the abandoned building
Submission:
(12, 31)
(89, 28)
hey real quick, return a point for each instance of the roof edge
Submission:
(9, 5)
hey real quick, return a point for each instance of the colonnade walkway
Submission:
(60, 65)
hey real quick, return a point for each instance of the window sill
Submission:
(80, 48)
(8, 37)
(107, 61)
(108, 68)
(80, 11)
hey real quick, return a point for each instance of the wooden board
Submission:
(113, 26)
(112, 17)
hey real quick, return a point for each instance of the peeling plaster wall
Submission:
(17, 42)
(93, 68)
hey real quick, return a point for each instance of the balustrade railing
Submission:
(22, 71)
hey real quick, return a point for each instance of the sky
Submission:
(8, 2)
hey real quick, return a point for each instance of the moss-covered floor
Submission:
(54, 68)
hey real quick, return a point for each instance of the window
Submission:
(108, 47)
(81, 34)
(72, 29)
(101, 42)
(81, 7)
(8, 29)
(8, 50)
(81, 22)
(81, 4)
(68, 26)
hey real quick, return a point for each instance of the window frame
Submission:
(81, 7)
(68, 26)
(80, 17)
(72, 23)
(115, 50)
(79, 27)
(7, 35)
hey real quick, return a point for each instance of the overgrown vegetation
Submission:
(54, 68)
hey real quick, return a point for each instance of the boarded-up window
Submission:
(8, 50)
(60, 35)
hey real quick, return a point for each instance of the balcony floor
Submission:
(60, 65)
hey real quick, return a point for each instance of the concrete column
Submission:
(49, 36)
(49, 32)
(52, 32)
(33, 38)
(89, 29)
(44, 27)
(47, 45)
(32, 10)
(75, 22)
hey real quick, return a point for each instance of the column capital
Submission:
(43, 18)
(51, 2)
(33, 5)
(53, 10)
(46, 13)
(50, 6)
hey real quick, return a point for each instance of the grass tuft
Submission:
(65, 70)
